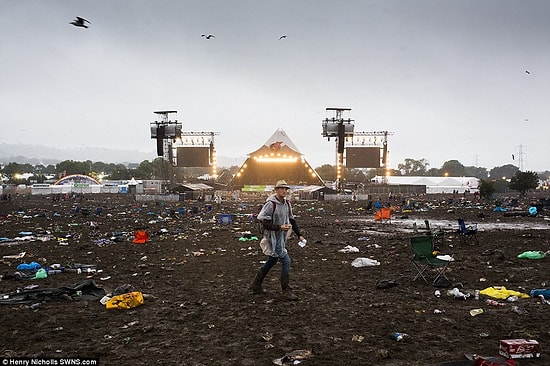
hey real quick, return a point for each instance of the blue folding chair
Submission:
(467, 233)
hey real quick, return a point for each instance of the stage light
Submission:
(277, 160)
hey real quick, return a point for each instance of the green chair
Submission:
(437, 234)
(425, 264)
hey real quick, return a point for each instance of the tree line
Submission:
(498, 178)
(156, 169)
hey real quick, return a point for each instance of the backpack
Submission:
(260, 224)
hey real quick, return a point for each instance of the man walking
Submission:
(277, 219)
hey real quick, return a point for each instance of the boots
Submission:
(257, 284)
(287, 292)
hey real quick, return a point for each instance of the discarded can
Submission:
(516, 309)
(437, 293)
(476, 294)
(398, 336)
(512, 298)
(475, 312)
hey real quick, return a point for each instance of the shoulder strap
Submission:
(275, 205)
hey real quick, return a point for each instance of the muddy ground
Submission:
(195, 274)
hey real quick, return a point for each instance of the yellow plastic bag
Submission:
(500, 292)
(125, 301)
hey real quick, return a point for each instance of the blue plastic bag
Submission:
(540, 291)
(31, 266)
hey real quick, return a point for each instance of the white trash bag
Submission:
(349, 249)
(364, 262)
(266, 246)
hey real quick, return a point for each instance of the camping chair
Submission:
(140, 236)
(467, 233)
(436, 234)
(424, 262)
(383, 214)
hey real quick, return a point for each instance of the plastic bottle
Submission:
(398, 336)
(81, 270)
(540, 291)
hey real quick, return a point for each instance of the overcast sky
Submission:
(465, 80)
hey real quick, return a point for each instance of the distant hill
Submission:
(46, 155)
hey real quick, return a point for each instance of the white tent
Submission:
(433, 184)
(277, 159)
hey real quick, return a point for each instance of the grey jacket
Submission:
(273, 216)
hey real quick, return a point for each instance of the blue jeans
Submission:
(271, 261)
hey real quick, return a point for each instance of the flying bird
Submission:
(208, 36)
(527, 72)
(281, 37)
(513, 157)
(80, 22)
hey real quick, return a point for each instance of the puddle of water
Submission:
(407, 224)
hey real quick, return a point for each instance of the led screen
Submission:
(363, 157)
(193, 156)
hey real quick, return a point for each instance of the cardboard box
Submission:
(519, 348)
